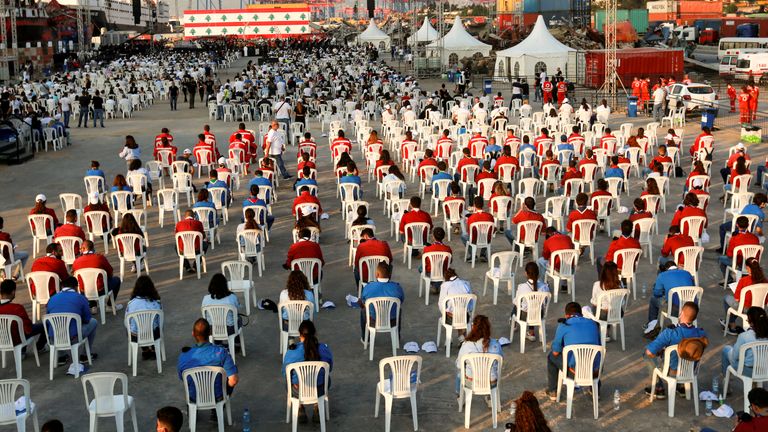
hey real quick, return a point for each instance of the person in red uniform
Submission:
(485, 173)
(90, 259)
(547, 88)
(625, 241)
(70, 229)
(581, 212)
(209, 136)
(304, 248)
(41, 208)
(304, 198)
(202, 144)
(657, 162)
(703, 140)
(731, 91)
(437, 245)
(553, 241)
(189, 223)
(562, 92)
(575, 137)
(745, 104)
(369, 246)
(236, 142)
(305, 161)
(543, 142)
(414, 214)
(645, 95)
(444, 145)
(602, 190)
(246, 137)
(754, 94)
(636, 88)
(53, 263)
(8, 307)
(165, 143)
(428, 161)
(164, 133)
(674, 241)
(512, 140)
(477, 144)
(309, 145)
(476, 215)
(506, 158)
(690, 207)
(549, 163)
(526, 214)
(454, 196)
(461, 174)
(341, 142)
(588, 159)
(571, 173)
(740, 237)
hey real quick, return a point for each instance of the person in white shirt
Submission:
(658, 103)
(481, 114)
(409, 116)
(584, 112)
(66, 108)
(453, 285)
(462, 114)
(276, 146)
(566, 107)
(283, 111)
(532, 284)
(603, 111)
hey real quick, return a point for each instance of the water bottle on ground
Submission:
(715, 386)
(616, 400)
(645, 290)
(246, 421)
(512, 410)
(708, 405)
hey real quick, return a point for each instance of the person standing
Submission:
(173, 93)
(658, 103)
(276, 147)
(85, 103)
(66, 108)
(745, 102)
(731, 91)
(98, 108)
(191, 85)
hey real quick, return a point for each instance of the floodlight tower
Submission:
(612, 81)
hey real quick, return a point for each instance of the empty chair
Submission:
(168, 201)
(9, 260)
(585, 374)
(203, 382)
(10, 411)
(105, 403)
(500, 270)
(399, 378)
(239, 276)
(380, 312)
(58, 333)
(15, 343)
(145, 328)
(484, 368)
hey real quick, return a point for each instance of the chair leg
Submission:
(220, 417)
(523, 333)
(294, 415)
(621, 329)
(467, 407)
(387, 413)
(376, 406)
(414, 412)
(595, 397)
(93, 422)
(568, 400)
(372, 342)
(119, 421)
(134, 348)
(321, 411)
(671, 393)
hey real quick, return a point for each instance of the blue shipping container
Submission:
(555, 5)
(707, 24)
(531, 6)
(747, 30)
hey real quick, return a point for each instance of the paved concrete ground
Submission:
(261, 388)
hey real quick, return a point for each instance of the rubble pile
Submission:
(578, 38)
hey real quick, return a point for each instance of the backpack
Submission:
(692, 349)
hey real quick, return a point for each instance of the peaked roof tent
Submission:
(373, 32)
(426, 33)
(539, 42)
(459, 39)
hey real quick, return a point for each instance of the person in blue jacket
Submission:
(308, 349)
(672, 277)
(575, 329)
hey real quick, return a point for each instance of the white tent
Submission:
(457, 44)
(374, 35)
(426, 33)
(539, 51)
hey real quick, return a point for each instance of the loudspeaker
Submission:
(136, 11)
(371, 7)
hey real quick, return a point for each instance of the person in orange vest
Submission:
(732, 97)
(547, 87)
(754, 93)
(686, 79)
(744, 105)
(636, 88)
(645, 95)
(562, 92)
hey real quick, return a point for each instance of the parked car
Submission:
(693, 96)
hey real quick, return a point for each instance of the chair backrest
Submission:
(568, 260)
(309, 266)
(8, 390)
(97, 222)
(7, 325)
(348, 191)
(307, 374)
(651, 203)
(462, 305)
(217, 315)
(89, 281)
(528, 232)
(38, 224)
(529, 187)
(745, 252)
(537, 303)
(690, 257)
(685, 294)
(204, 382)
(403, 379)
(482, 366)
(102, 385)
(629, 259)
(94, 184)
(452, 210)
(127, 246)
(70, 246)
(42, 280)
(71, 201)
(693, 226)
(57, 326)
(686, 369)
(416, 232)
(483, 232)
(585, 356)
(758, 293)
(237, 271)
(614, 301)
(296, 310)
(249, 241)
(370, 263)
(759, 354)
(602, 204)
(145, 324)
(182, 181)
(383, 307)
(503, 261)
(206, 216)
(438, 262)
(585, 229)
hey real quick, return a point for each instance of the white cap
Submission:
(222, 161)
(429, 347)
(740, 146)
(411, 347)
(40, 198)
(187, 151)
(93, 198)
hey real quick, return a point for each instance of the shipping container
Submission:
(638, 18)
(529, 19)
(730, 24)
(700, 7)
(703, 24)
(657, 7)
(747, 30)
(638, 62)
(531, 6)
(554, 5)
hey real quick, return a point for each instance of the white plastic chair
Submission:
(481, 232)
(416, 232)
(72, 201)
(399, 383)
(310, 266)
(584, 376)
(687, 372)
(629, 261)
(369, 263)
(537, 305)
(70, 246)
(689, 258)
(482, 365)
(204, 381)
(759, 369)
(37, 224)
(217, 316)
(7, 265)
(239, 276)
(105, 403)
(188, 251)
(438, 261)
(500, 268)
(251, 245)
(382, 308)
(8, 413)
(297, 310)
(88, 278)
(568, 260)
(452, 213)
(126, 249)
(463, 310)
(168, 201)
(307, 374)
(759, 295)
(41, 280)
(98, 224)
(743, 252)
(613, 302)
(684, 294)
(145, 324)
(58, 324)
(586, 229)
(7, 323)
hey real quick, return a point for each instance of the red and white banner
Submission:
(247, 23)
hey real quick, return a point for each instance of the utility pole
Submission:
(609, 90)
(441, 30)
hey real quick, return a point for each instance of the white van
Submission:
(754, 65)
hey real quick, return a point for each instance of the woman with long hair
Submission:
(528, 415)
(384, 160)
(296, 288)
(739, 168)
(219, 294)
(754, 275)
(651, 187)
(478, 341)
(498, 189)
(609, 280)
(41, 208)
(131, 150)
(144, 297)
(394, 175)
(362, 217)
(757, 331)
(308, 348)
(531, 284)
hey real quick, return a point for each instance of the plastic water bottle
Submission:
(246, 420)
(715, 385)
(708, 405)
(616, 400)
(512, 410)
(645, 290)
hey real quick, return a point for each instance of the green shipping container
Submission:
(638, 18)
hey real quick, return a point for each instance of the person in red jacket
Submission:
(165, 144)
(674, 241)
(740, 237)
(571, 173)
(547, 88)
(601, 190)
(40, 208)
(189, 223)
(437, 245)
(464, 161)
(526, 214)
(476, 214)
(90, 259)
(414, 215)
(506, 158)
(245, 136)
(8, 307)
(70, 229)
(639, 212)
(704, 140)
(304, 248)
(562, 92)
(731, 91)
(581, 212)
(53, 263)
(554, 241)
(299, 208)
(657, 162)
(428, 161)
(754, 97)
(745, 103)
(341, 142)
(625, 241)
(369, 246)
(690, 207)
(543, 142)
(164, 133)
